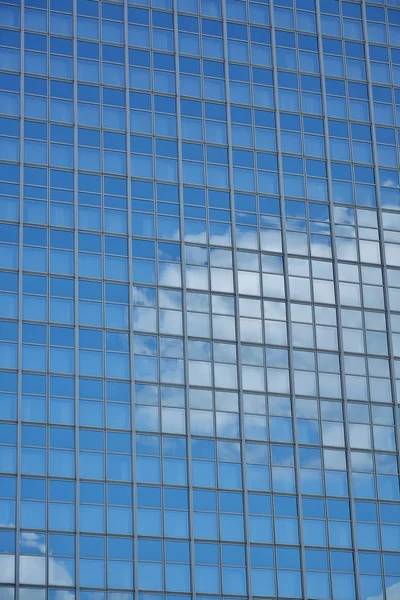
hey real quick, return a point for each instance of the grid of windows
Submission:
(199, 299)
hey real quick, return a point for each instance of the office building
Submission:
(199, 299)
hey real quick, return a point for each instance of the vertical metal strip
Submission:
(76, 291)
(48, 277)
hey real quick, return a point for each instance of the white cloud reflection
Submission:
(33, 567)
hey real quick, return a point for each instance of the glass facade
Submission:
(199, 299)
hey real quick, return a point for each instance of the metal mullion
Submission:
(237, 312)
(48, 346)
(338, 309)
(48, 324)
(130, 300)
(20, 307)
(381, 232)
(76, 294)
(287, 299)
(184, 305)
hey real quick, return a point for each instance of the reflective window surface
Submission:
(199, 299)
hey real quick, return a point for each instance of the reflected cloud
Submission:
(173, 420)
(202, 423)
(392, 593)
(332, 434)
(7, 571)
(169, 274)
(32, 568)
(222, 280)
(33, 542)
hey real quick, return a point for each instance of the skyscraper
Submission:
(199, 299)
